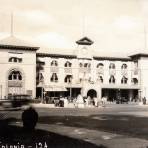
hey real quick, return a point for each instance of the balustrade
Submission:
(15, 83)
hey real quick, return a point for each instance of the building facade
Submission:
(18, 68)
(26, 70)
(85, 72)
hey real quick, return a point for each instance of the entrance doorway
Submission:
(125, 94)
(92, 93)
(39, 92)
(72, 92)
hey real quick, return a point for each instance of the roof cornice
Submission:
(18, 47)
(139, 55)
(74, 56)
(55, 55)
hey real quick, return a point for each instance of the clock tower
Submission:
(83, 51)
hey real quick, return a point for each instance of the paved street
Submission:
(114, 126)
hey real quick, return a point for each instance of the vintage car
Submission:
(16, 101)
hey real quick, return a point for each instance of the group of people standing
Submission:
(90, 102)
(78, 101)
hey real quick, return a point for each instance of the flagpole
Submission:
(145, 37)
(11, 23)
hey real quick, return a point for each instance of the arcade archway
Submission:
(92, 93)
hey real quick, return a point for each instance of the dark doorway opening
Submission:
(124, 94)
(92, 93)
(111, 94)
(39, 92)
(72, 92)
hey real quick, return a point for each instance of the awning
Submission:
(41, 84)
(113, 86)
(55, 88)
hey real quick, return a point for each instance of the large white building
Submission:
(92, 73)
(18, 67)
(26, 70)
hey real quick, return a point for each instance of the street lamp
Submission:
(42, 94)
(70, 82)
(1, 90)
(145, 91)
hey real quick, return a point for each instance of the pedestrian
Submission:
(29, 118)
(99, 102)
(56, 102)
(88, 101)
(61, 101)
(80, 101)
(65, 102)
(74, 102)
(85, 101)
(144, 101)
(95, 101)
(104, 101)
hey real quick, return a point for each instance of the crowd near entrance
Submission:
(71, 95)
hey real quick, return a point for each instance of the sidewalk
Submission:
(41, 105)
(109, 140)
(71, 105)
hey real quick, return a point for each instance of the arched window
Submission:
(112, 66)
(68, 64)
(85, 64)
(68, 79)
(54, 78)
(100, 79)
(100, 68)
(124, 66)
(134, 80)
(89, 65)
(112, 79)
(124, 80)
(15, 75)
(100, 65)
(15, 59)
(80, 65)
(54, 63)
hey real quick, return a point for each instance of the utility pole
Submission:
(1, 90)
(70, 87)
(11, 23)
(145, 37)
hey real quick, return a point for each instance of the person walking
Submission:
(95, 101)
(144, 101)
(104, 101)
(99, 103)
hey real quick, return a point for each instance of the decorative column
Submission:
(130, 95)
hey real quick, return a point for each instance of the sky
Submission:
(113, 25)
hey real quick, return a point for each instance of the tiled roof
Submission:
(139, 52)
(110, 55)
(73, 52)
(14, 42)
(57, 51)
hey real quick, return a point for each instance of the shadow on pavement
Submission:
(11, 135)
(119, 124)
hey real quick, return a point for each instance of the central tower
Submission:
(83, 51)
